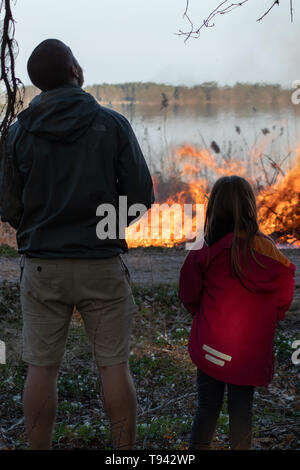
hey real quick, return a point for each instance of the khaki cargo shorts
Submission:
(101, 291)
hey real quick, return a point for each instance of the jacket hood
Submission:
(264, 273)
(62, 114)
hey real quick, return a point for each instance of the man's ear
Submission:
(74, 72)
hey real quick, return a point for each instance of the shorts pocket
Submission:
(41, 270)
(125, 270)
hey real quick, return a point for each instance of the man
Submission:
(65, 156)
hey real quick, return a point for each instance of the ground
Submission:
(163, 373)
(148, 266)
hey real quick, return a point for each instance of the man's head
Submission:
(52, 64)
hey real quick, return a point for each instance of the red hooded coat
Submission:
(234, 321)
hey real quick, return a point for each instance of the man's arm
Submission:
(11, 182)
(134, 179)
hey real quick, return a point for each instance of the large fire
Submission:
(279, 208)
(195, 170)
(189, 180)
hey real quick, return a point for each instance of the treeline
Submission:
(211, 92)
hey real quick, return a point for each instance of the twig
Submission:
(8, 49)
(221, 9)
(292, 10)
(164, 405)
(147, 433)
(18, 423)
(207, 22)
(280, 165)
(276, 2)
(274, 164)
(275, 213)
(264, 169)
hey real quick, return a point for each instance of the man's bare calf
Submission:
(119, 401)
(40, 404)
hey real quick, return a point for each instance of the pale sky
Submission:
(119, 41)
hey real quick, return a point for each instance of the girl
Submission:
(237, 286)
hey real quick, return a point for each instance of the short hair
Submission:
(49, 64)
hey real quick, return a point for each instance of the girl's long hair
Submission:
(232, 208)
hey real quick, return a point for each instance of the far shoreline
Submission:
(205, 94)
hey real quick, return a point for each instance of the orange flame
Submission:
(195, 169)
(278, 205)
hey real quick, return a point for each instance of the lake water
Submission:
(160, 131)
(275, 130)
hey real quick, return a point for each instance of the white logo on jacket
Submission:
(216, 353)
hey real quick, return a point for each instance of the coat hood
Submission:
(234, 321)
(63, 114)
(266, 270)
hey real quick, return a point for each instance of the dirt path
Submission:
(152, 266)
(9, 269)
(147, 266)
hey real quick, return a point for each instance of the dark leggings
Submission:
(210, 401)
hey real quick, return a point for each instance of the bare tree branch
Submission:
(13, 86)
(223, 8)
(166, 403)
(276, 2)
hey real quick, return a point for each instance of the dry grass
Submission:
(164, 377)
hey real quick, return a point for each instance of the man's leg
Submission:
(47, 306)
(104, 299)
(119, 400)
(40, 403)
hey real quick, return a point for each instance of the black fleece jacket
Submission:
(65, 156)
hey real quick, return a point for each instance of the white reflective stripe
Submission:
(216, 353)
(214, 360)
